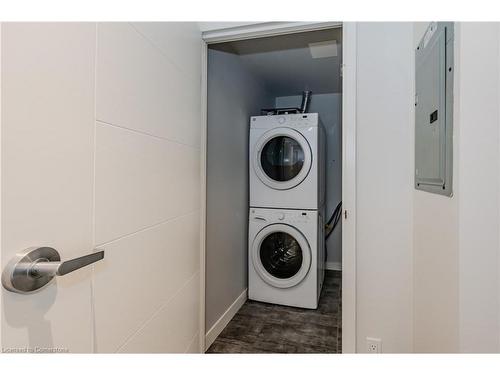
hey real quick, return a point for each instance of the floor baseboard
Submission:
(333, 266)
(220, 324)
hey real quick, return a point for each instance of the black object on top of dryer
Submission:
(306, 99)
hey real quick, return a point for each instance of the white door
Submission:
(100, 147)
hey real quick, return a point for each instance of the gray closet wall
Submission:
(234, 95)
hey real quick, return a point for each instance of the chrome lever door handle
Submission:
(76, 263)
(34, 268)
(47, 268)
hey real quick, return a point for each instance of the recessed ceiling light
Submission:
(320, 50)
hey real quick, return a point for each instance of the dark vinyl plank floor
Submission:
(267, 328)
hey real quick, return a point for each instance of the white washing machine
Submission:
(285, 256)
(287, 161)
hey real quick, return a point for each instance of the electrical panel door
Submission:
(434, 110)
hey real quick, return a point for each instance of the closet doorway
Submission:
(245, 71)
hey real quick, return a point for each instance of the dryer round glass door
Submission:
(281, 255)
(282, 158)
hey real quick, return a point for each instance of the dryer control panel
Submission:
(293, 121)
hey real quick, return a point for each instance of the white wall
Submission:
(384, 288)
(329, 107)
(449, 245)
(478, 179)
(234, 95)
(105, 120)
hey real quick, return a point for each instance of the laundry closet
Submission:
(273, 178)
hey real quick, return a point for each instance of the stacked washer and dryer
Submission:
(286, 248)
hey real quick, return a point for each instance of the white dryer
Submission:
(285, 256)
(287, 161)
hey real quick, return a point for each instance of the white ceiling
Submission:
(285, 65)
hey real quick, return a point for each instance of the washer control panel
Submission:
(277, 215)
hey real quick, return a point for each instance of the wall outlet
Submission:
(373, 345)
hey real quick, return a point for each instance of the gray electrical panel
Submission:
(434, 110)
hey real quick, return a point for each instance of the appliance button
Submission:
(281, 120)
(281, 216)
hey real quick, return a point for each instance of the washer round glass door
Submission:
(281, 255)
(282, 158)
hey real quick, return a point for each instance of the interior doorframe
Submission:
(349, 42)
